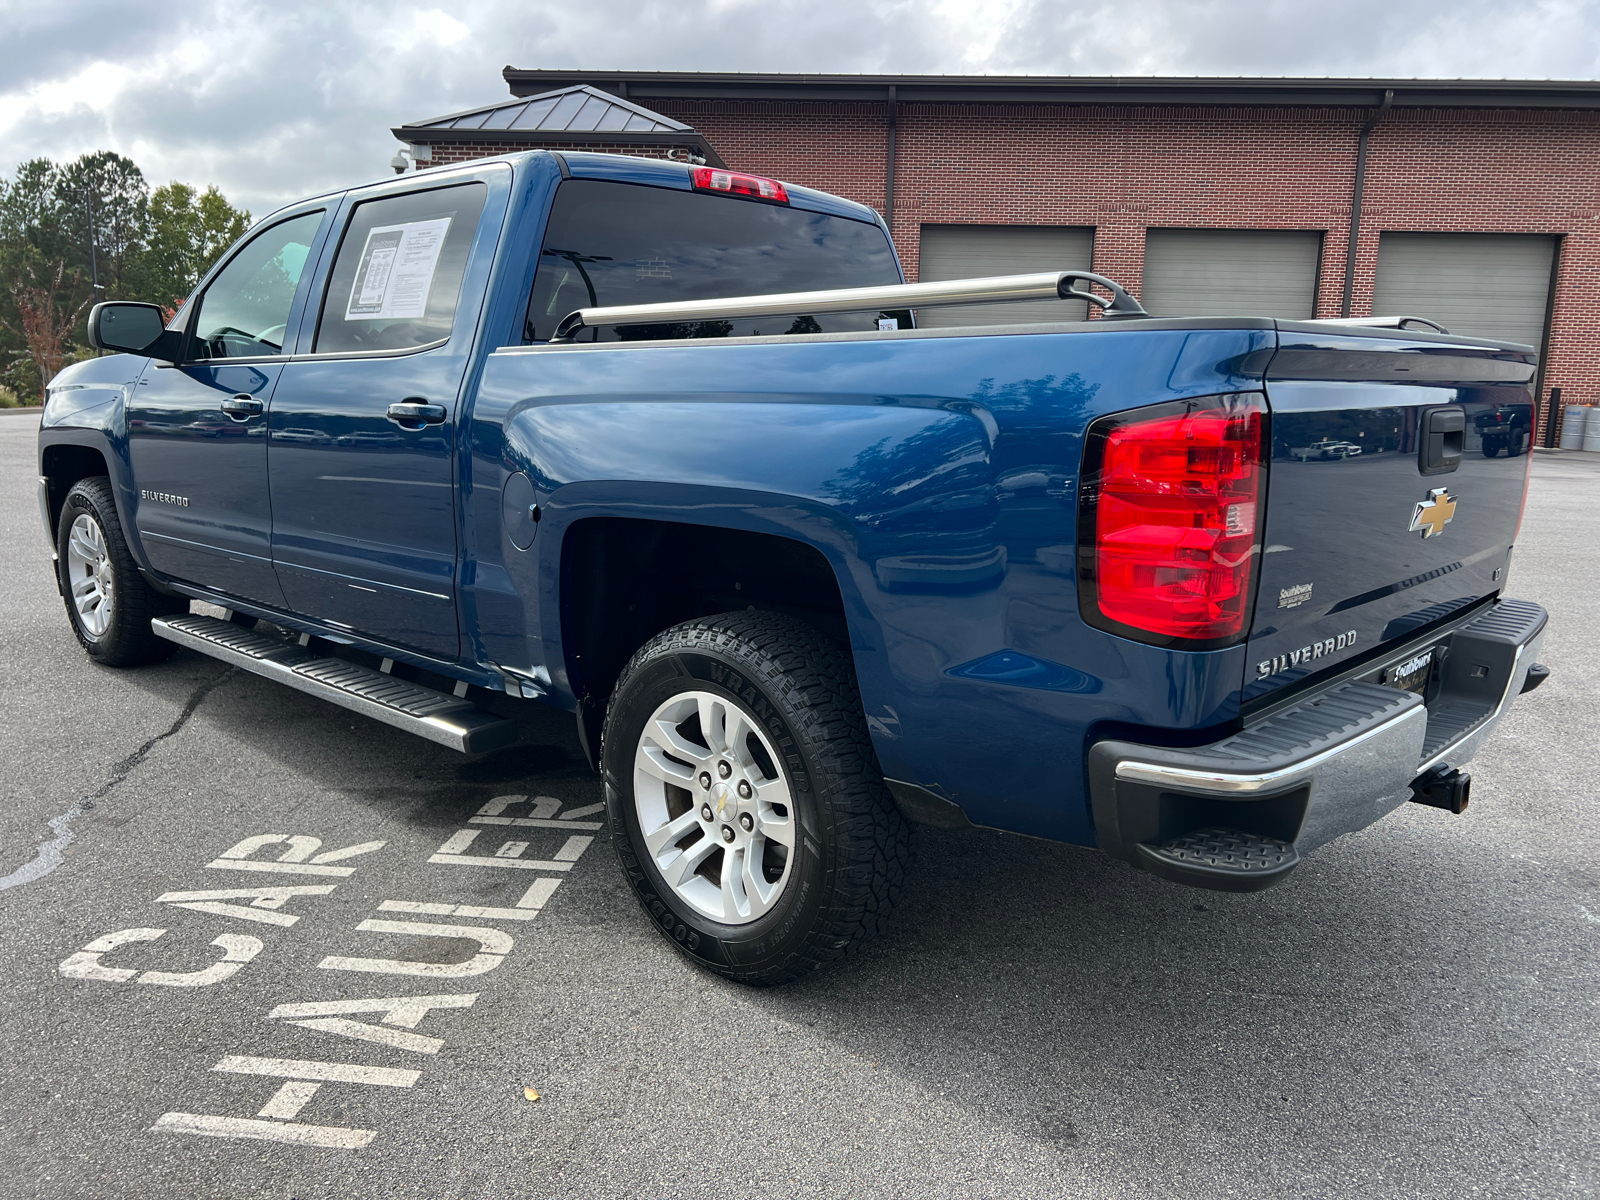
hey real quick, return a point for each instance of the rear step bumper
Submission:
(1237, 815)
(434, 715)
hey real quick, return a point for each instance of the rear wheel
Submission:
(108, 601)
(744, 798)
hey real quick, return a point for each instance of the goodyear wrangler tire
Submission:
(744, 798)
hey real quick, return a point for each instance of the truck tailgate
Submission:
(1350, 561)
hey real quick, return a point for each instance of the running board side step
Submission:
(437, 716)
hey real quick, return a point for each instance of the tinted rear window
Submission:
(621, 243)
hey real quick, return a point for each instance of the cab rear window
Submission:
(619, 243)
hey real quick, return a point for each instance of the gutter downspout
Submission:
(1355, 203)
(888, 186)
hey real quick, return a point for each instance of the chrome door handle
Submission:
(414, 414)
(241, 407)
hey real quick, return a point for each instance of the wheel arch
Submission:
(625, 579)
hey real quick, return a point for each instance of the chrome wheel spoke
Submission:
(682, 869)
(712, 713)
(730, 888)
(757, 890)
(653, 761)
(664, 732)
(659, 839)
(779, 829)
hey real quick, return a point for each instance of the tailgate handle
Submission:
(1443, 430)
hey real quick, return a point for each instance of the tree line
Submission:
(74, 233)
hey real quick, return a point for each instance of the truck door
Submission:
(363, 429)
(197, 430)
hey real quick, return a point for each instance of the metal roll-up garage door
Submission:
(1493, 285)
(1231, 272)
(975, 251)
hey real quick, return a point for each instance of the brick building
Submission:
(1479, 201)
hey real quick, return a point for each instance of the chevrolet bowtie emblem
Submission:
(1431, 515)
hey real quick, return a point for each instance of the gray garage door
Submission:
(974, 251)
(1484, 284)
(1231, 272)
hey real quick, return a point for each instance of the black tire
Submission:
(127, 640)
(1490, 449)
(853, 846)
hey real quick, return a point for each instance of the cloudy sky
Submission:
(272, 101)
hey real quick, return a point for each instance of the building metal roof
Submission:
(1068, 89)
(577, 114)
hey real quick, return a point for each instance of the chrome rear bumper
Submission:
(1335, 762)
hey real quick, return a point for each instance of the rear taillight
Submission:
(737, 183)
(1169, 520)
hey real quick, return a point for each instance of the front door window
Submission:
(245, 310)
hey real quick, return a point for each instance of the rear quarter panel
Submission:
(937, 474)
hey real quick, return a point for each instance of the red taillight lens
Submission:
(737, 183)
(1169, 518)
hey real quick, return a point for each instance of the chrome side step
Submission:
(437, 716)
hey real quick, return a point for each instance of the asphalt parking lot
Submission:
(1413, 1014)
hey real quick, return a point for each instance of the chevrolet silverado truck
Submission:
(663, 446)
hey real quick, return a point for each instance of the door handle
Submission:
(414, 414)
(241, 407)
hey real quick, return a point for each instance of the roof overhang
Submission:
(1067, 89)
(690, 140)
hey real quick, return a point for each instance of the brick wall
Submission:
(1125, 169)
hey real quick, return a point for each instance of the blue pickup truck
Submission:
(663, 446)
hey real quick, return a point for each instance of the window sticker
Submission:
(396, 271)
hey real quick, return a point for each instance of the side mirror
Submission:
(132, 329)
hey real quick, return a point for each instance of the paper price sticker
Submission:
(396, 271)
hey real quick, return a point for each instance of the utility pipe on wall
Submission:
(1355, 203)
(888, 186)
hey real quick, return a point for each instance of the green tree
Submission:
(186, 232)
(109, 189)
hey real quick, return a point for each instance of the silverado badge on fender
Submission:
(1431, 515)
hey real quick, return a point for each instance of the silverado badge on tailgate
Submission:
(1431, 515)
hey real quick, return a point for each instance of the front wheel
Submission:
(744, 798)
(108, 602)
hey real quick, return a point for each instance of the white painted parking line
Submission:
(322, 1072)
(542, 814)
(344, 1027)
(270, 898)
(331, 1016)
(288, 1100)
(511, 850)
(496, 945)
(85, 964)
(296, 860)
(534, 822)
(237, 950)
(450, 852)
(572, 849)
(332, 1137)
(582, 812)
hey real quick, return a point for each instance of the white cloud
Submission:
(275, 101)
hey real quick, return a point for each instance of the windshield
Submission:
(620, 243)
